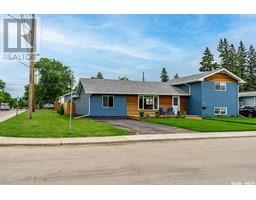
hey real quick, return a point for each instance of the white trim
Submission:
(143, 108)
(215, 83)
(189, 88)
(108, 101)
(220, 107)
(178, 102)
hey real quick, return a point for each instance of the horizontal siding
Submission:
(132, 105)
(220, 77)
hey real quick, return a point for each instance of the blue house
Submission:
(205, 94)
(247, 99)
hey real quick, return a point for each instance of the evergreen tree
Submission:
(176, 75)
(207, 63)
(241, 60)
(98, 76)
(223, 49)
(164, 75)
(232, 59)
(250, 84)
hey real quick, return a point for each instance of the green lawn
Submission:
(47, 123)
(241, 120)
(204, 125)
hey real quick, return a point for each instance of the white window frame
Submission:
(220, 83)
(226, 109)
(143, 96)
(108, 101)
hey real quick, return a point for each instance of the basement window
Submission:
(220, 110)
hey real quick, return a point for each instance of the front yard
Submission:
(208, 125)
(47, 123)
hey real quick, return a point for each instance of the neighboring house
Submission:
(205, 94)
(65, 98)
(247, 98)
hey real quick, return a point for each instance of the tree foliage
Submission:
(55, 79)
(240, 61)
(98, 76)
(164, 75)
(124, 78)
(5, 97)
(2, 85)
(207, 63)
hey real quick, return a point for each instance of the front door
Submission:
(176, 104)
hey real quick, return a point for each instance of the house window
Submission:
(175, 101)
(148, 102)
(140, 102)
(107, 101)
(220, 110)
(220, 86)
(254, 100)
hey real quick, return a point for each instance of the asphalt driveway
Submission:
(140, 127)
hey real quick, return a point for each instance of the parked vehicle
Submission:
(248, 111)
(4, 106)
(48, 106)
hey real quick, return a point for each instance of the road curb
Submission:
(10, 141)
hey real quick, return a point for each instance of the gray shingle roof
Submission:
(191, 78)
(247, 94)
(107, 86)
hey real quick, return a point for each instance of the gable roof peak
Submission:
(201, 76)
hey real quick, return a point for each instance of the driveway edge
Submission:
(12, 141)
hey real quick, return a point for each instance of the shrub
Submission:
(157, 113)
(147, 115)
(141, 114)
(61, 110)
(181, 114)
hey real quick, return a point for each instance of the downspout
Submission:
(89, 112)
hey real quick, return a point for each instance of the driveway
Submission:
(211, 161)
(140, 127)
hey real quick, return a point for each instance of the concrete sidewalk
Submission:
(12, 141)
(5, 115)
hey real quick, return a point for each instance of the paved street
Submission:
(140, 127)
(209, 161)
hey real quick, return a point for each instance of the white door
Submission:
(176, 104)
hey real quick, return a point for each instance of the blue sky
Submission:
(127, 45)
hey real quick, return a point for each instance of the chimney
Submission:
(143, 78)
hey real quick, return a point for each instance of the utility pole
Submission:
(70, 108)
(32, 68)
